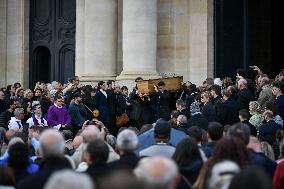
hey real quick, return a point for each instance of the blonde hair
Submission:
(254, 107)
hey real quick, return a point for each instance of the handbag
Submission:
(122, 120)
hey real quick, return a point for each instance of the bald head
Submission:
(51, 143)
(158, 173)
(90, 133)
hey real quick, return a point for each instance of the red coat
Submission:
(278, 179)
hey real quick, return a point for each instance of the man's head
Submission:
(161, 86)
(158, 173)
(19, 113)
(278, 88)
(215, 131)
(37, 109)
(77, 97)
(59, 100)
(243, 114)
(180, 104)
(2, 95)
(102, 85)
(264, 81)
(51, 143)
(162, 131)
(127, 141)
(242, 84)
(124, 90)
(241, 131)
(111, 84)
(90, 133)
(195, 132)
(96, 152)
(181, 120)
(267, 115)
(216, 91)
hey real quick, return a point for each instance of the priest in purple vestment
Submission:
(57, 115)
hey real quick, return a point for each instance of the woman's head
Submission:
(231, 148)
(186, 150)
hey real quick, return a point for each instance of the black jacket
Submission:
(47, 167)
(162, 101)
(198, 120)
(126, 162)
(209, 112)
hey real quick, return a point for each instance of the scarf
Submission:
(36, 121)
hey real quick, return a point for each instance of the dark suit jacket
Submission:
(102, 105)
(126, 162)
(268, 130)
(163, 101)
(49, 166)
(198, 120)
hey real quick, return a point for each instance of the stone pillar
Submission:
(139, 39)
(201, 35)
(3, 41)
(96, 40)
(14, 39)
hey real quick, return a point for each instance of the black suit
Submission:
(198, 120)
(126, 162)
(49, 166)
(163, 101)
(243, 99)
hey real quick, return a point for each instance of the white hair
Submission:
(222, 174)
(69, 179)
(15, 140)
(51, 143)
(182, 118)
(17, 111)
(218, 81)
(127, 140)
(90, 133)
(157, 172)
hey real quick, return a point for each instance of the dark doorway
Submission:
(52, 25)
(243, 36)
(41, 65)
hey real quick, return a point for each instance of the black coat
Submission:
(49, 166)
(243, 98)
(126, 162)
(147, 113)
(163, 101)
(122, 107)
(253, 130)
(5, 118)
(97, 171)
(209, 112)
(268, 130)
(198, 120)
(230, 112)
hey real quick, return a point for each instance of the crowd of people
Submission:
(223, 134)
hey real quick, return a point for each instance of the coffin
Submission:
(172, 84)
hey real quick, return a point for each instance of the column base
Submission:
(132, 75)
(96, 78)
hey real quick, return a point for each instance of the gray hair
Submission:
(17, 111)
(157, 172)
(182, 119)
(15, 140)
(90, 133)
(69, 179)
(127, 140)
(51, 143)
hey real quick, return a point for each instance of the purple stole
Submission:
(35, 120)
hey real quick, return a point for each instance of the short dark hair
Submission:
(217, 89)
(123, 88)
(195, 132)
(58, 97)
(161, 83)
(18, 156)
(279, 84)
(215, 130)
(34, 106)
(10, 102)
(98, 151)
(100, 83)
(241, 131)
(244, 113)
(181, 103)
(109, 82)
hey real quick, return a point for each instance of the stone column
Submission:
(96, 52)
(139, 39)
(3, 41)
(17, 41)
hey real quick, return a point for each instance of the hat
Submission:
(162, 128)
(77, 94)
(194, 107)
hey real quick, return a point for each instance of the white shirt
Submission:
(30, 121)
(104, 92)
(15, 124)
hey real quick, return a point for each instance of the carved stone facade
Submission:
(115, 39)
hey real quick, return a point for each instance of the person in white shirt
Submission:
(37, 119)
(16, 122)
